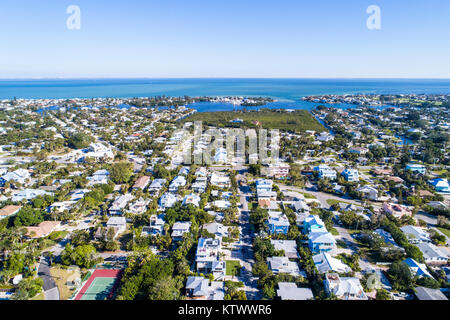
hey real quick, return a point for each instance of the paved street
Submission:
(244, 252)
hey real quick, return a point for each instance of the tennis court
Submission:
(100, 286)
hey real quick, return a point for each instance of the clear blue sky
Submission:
(225, 38)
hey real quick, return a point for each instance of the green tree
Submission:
(121, 172)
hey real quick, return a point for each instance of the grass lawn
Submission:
(233, 265)
(39, 296)
(308, 195)
(334, 201)
(334, 232)
(60, 275)
(444, 231)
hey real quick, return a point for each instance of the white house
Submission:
(179, 229)
(350, 175)
(326, 263)
(345, 288)
(167, 200)
(283, 265)
(433, 254)
(416, 234)
(369, 192)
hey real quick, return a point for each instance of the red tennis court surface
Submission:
(99, 273)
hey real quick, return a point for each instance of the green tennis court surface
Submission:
(99, 289)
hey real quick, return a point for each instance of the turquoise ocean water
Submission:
(287, 92)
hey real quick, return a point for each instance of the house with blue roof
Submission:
(440, 185)
(417, 269)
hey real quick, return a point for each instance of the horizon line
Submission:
(219, 78)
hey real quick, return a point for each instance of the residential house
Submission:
(42, 230)
(19, 176)
(199, 185)
(120, 203)
(345, 288)
(423, 293)
(220, 180)
(326, 263)
(179, 229)
(157, 185)
(156, 226)
(278, 222)
(177, 182)
(290, 291)
(29, 194)
(417, 269)
(199, 288)
(263, 185)
(8, 211)
(119, 223)
(396, 210)
(288, 246)
(192, 198)
(313, 223)
(141, 183)
(440, 185)
(368, 192)
(350, 175)
(283, 265)
(433, 254)
(418, 168)
(139, 206)
(319, 242)
(416, 234)
(99, 177)
(207, 257)
(167, 200)
(218, 229)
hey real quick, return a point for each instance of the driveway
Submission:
(51, 291)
